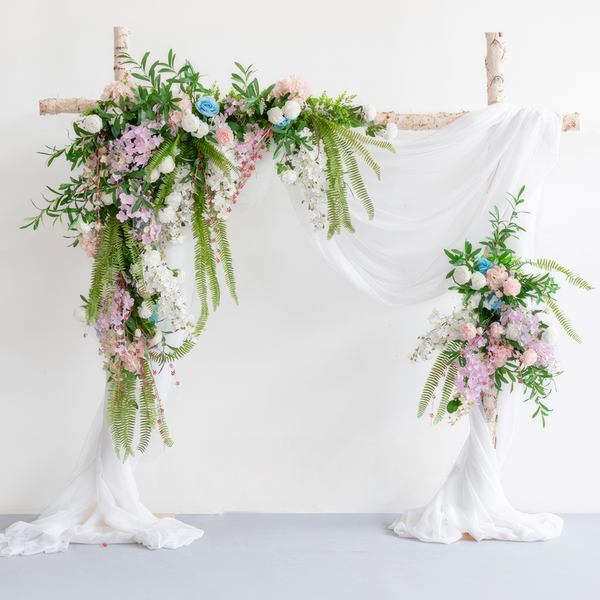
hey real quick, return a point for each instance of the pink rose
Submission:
(116, 89)
(131, 361)
(88, 243)
(512, 287)
(496, 330)
(467, 331)
(292, 85)
(501, 355)
(224, 136)
(496, 276)
(529, 357)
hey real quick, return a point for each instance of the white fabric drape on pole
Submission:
(102, 504)
(435, 193)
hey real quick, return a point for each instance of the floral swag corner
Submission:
(160, 152)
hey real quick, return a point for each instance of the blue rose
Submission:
(208, 106)
(283, 123)
(492, 302)
(483, 265)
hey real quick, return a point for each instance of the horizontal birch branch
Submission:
(429, 121)
(57, 106)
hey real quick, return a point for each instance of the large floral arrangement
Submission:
(499, 335)
(161, 152)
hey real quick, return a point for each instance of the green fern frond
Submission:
(546, 264)
(564, 321)
(167, 148)
(165, 188)
(122, 412)
(163, 428)
(443, 360)
(225, 256)
(148, 412)
(447, 390)
(215, 156)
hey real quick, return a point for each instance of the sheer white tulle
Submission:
(434, 193)
(102, 504)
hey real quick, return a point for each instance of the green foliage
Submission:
(549, 265)
(214, 155)
(122, 411)
(167, 148)
(441, 363)
(225, 256)
(148, 409)
(447, 390)
(564, 321)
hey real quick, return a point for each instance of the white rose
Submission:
(291, 110)
(190, 122)
(288, 177)
(167, 165)
(107, 199)
(461, 275)
(166, 215)
(369, 111)
(146, 310)
(275, 115)
(550, 336)
(174, 200)
(202, 130)
(138, 333)
(157, 339)
(92, 124)
(80, 314)
(152, 258)
(154, 176)
(513, 332)
(391, 131)
(477, 280)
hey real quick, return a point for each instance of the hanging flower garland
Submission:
(161, 152)
(499, 334)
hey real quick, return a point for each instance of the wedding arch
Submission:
(163, 161)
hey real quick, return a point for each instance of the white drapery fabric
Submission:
(102, 504)
(435, 193)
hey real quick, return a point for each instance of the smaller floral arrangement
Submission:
(499, 335)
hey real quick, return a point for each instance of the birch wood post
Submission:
(490, 407)
(121, 47)
(56, 106)
(494, 67)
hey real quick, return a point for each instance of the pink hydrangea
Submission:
(293, 85)
(175, 116)
(117, 89)
(88, 243)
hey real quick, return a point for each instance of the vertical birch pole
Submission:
(494, 67)
(121, 47)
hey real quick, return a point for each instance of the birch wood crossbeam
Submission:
(427, 121)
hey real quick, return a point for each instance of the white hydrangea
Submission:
(288, 177)
(174, 199)
(474, 301)
(179, 208)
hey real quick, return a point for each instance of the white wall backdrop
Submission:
(302, 398)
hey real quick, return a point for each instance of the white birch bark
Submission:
(56, 106)
(490, 405)
(494, 67)
(417, 122)
(121, 47)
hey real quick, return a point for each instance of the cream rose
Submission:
(369, 111)
(461, 275)
(291, 110)
(477, 280)
(391, 131)
(190, 122)
(275, 115)
(92, 124)
(202, 130)
(167, 165)
(513, 332)
(550, 336)
(174, 200)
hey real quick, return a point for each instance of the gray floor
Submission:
(312, 557)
